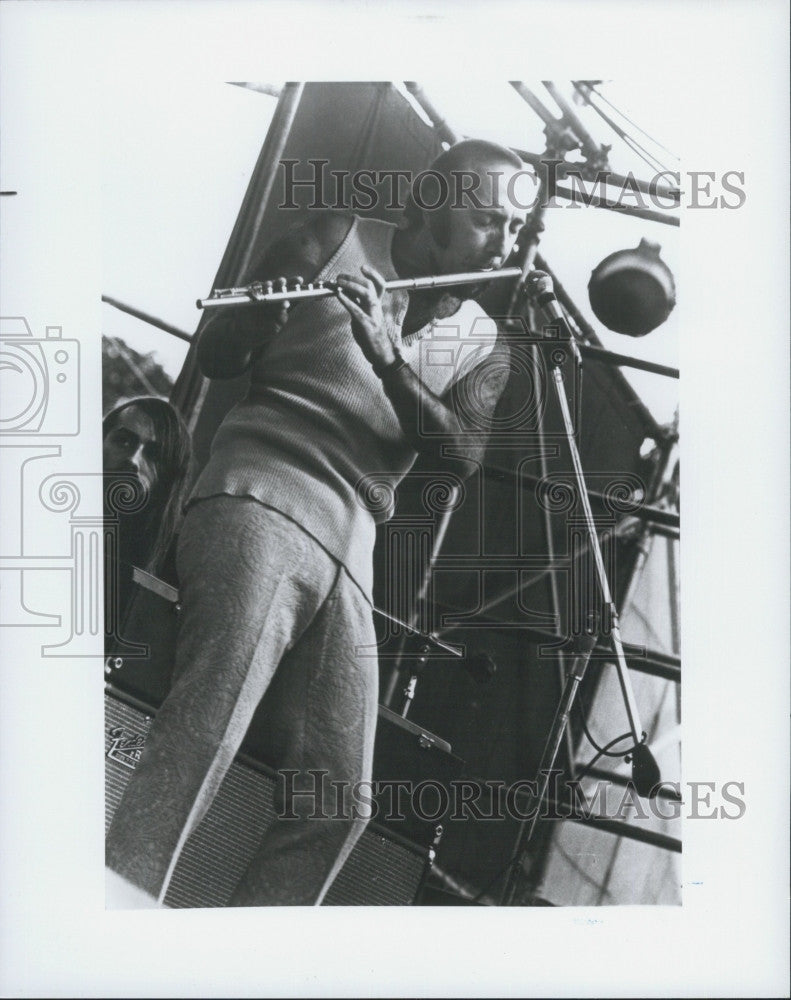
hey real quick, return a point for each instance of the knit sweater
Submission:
(316, 438)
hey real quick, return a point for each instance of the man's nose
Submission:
(500, 240)
(136, 457)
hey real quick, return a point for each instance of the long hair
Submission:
(173, 465)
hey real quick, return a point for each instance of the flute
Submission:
(262, 292)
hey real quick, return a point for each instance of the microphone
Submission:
(645, 772)
(540, 288)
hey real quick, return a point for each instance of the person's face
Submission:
(482, 238)
(131, 447)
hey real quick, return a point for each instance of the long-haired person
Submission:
(145, 444)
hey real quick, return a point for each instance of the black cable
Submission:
(603, 751)
(621, 132)
(591, 763)
(634, 124)
(633, 144)
(515, 858)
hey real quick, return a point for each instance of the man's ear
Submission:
(437, 221)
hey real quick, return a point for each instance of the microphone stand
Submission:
(415, 614)
(583, 647)
(539, 285)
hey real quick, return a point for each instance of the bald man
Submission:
(275, 557)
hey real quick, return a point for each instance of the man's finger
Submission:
(359, 293)
(357, 287)
(375, 277)
(352, 306)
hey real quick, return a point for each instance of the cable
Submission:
(645, 155)
(603, 751)
(586, 95)
(633, 144)
(592, 763)
(515, 858)
(629, 140)
(634, 124)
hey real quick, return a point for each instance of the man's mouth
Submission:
(142, 480)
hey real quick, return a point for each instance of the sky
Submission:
(178, 160)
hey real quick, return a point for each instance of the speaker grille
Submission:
(379, 871)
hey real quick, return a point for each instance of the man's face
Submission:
(482, 238)
(131, 447)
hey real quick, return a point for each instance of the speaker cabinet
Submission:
(384, 869)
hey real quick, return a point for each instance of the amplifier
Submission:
(385, 868)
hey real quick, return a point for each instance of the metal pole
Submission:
(530, 98)
(620, 659)
(444, 522)
(190, 388)
(579, 664)
(589, 145)
(645, 539)
(444, 131)
(266, 168)
(644, 512)
(667, 794)
(648, 214)
(567, 170)
(160, 324)
(534, 229)
(625, 360)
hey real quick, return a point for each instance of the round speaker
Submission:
(632, 291)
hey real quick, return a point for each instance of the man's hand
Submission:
(274, 315)
(362, 297)
(236, 337)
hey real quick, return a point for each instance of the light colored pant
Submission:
(258, 594)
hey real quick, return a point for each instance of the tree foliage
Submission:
(127, 373)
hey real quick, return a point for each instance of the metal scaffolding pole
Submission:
(190, 388)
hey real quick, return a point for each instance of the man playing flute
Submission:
(275, 554)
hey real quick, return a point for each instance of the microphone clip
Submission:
(540, 290)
